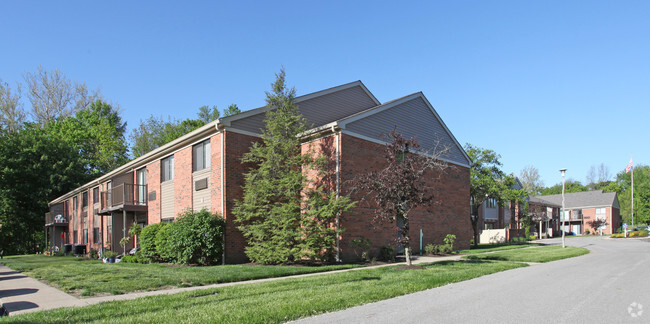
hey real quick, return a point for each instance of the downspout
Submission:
(338, 187)
(223, 196)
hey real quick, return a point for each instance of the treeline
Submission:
(66, 137)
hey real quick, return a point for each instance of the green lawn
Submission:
(538, 254)
(482, 248)
(277, 301)
(94, 278)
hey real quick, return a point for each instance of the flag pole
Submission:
(632, 198)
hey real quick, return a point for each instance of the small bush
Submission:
(444, 248)
(109, 254)
(587, 232)
(532, 237)
(431, 249)
(93, 254)
(196, 238)
(387, 253)
(633, 234)
(130, 259)
(643, 233)
(449, 239)
(361, 248)
(613, 236)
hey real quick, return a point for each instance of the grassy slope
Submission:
(278, 301)
(539, 254)
(91, 278)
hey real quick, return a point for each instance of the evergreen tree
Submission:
(271, 214)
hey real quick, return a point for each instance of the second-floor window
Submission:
(201, 156)
(95, 195)
(74, 205)
(491, 203)
(167, 169)
(84, 200)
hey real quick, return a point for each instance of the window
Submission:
(601, 211)
(491, 203)
(167, 169)
(201, 156)
(95, 195)
(85, 238)
(141, 178)
(84, 200)
(74, 205)
(74, 237)
(96, 235)
(167, 220)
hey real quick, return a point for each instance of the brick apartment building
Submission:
(583, 207)
(203, 169)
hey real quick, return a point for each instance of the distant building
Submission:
(583, 207)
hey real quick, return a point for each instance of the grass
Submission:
(482, 248)
(277, 301)
(538, 254)
(93, 278)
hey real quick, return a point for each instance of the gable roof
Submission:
(318, 108)
(586, 199)
(413, 116)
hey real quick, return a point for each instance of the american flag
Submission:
(629, 166)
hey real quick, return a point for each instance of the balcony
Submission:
(126, 196)
(55, 220)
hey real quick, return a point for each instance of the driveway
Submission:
(609, 285)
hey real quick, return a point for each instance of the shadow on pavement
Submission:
(12, 277)
(18, 306)
(17, 292)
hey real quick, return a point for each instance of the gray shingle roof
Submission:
(596, 198)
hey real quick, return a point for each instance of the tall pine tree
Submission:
(281, 221)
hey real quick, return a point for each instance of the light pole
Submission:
(563, 211)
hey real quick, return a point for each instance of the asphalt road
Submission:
(609, 285)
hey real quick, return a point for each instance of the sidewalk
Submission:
(21, 294)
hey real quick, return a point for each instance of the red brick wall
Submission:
(449, 215)
(153, 186)
(236, 146)
(215, 173)
(182, 181)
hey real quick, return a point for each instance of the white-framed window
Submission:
(601, 211)
(167, 169)
(201, 156)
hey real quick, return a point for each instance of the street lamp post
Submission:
(563, 211)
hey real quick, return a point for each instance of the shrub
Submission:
(195, 238)
(449, 239)
(633, 234)
(164, 247)
(587, 232)
(93, 254)
(130, 259)
(362, 245)
(387, 253)
(148, 242)
(431, 249)
(613, 236)
(109, 254)
(532, 237)
(643, 233)
(444, 248)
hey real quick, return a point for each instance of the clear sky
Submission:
(553, 84)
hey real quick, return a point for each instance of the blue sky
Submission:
(553, 84)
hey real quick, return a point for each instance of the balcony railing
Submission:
(124, 194)
(55, 219)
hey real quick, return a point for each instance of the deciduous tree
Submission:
(401, 186)
(12, 115)
(487, 180)
(530, 180)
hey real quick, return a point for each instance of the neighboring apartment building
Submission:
(203, 169)
(583, 207)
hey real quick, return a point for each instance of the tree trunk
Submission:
(407, 252)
